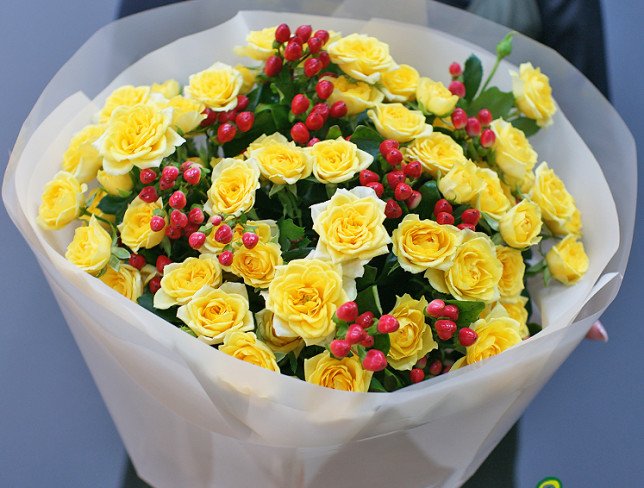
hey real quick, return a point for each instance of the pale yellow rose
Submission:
(90, 248)
(511, 282)
(115, 184)
(186, 113)
(399, 85)
(249, 75)
(126, 281)
(281, 161)
(491, 199)
(303, 296)
(135, 229)
(212, 312)
(437, 153)
(339, 160)
(127, 96)
(257, 265)
(495, 335)
(182, 280)
(414, 338)
(521, 225)
(140, 136)
(461, 184)
(277, 344)
(515, 308)
(358, 96)
(345, 374)
(234, 183)
(361, 57)
(169, 88)
(434, 97)
(246, 346)
(259, 44)
(533, 94)
(81, 157)
(395, 121)
(61, 201)
(216, 87)
(266, 230)
(513, 154)
(567, 260)
(422, 244)
(571, 226)
(557, 205)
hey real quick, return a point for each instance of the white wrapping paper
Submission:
(191, 416)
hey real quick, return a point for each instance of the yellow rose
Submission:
(399, 85)
(395, 121)
(475, 272)
(257, 265)
(491, 199)
(93, 199)
(434, 97)
(358, 96)
(115, 184)
(182, 280)
(249, 75)
(515, 308)
(571, 226)
(135, 229)
(345, 374)
(339, 160)
(186, 113)
(414, 338)
(511, 282)
(126, 281)
(267, 230)
(277, 344)
(139, 136)
(61, 201)
(212, 312)
(513, 154)
(234, 183)
(217, 87)
(125, 96)
(169, 88)
(260, 44)
(567, 260)
(245, 346)
(81, 157)
(303, 296)
(422, 244)
(521, 225)
(90, 248)
(361, 57)
(557, 205)
(280, 160)
(533, 94)
(461, 184)
(495, 335)
(437, 153)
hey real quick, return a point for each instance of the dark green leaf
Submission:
(528, 126)
(147, 301)
(368, 278)
(472, 76)
(334, 132)
(112, 204)
(375, 385)
(468, 312)
(289, 232)
(533, 328)
(292, 254)
(368, 300)
(367, 139)
(499, 103)
(430, 195)
(391, 381)
(382, 342)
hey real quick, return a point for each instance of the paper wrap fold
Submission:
(191, 416)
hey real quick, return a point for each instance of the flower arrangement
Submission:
(326, 213)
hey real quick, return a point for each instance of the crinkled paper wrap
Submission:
(191, 416)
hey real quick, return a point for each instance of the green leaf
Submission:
(468, 312)
(367, 139)
(392, 381)
(341, 329)
(430, 195)
(536, 268)
(499, 103)
(368, 278)
(472, 76)
(368, 300)
(112, 204)
(275, 189)
(534, 328)
(166, 245)
(493, 224)
(147, 301)
(292, 254)
(115, 263)
(334, 132)
(528, 126)
(120, 253)
(188, 330)
(289, 232)
(547, 276)
(375, 385)
(382, 342)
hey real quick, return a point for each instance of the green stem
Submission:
(492, 73)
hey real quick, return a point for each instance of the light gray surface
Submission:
(584, 428)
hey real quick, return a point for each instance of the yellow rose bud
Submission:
(533, 94)
(81, 157)
(513, 153)
(234, 183)
(557, 205)
(245, 346)
(462, 183)
(434, 97)
(90, 248)
(182, 280)
(126, 281)
(119, 185)
(511, 282)
(521, 225)
(186, 113)
(495, 335)
(437, 153)
(422, 244)
(345, 374)
(212, 312)
(361, 57)
(217, 87)
(281, 161)
(339, 160)
(491, 199)
(277, 344)
(515, 308)
(399, 85)
(125, 96)
(414, 338)
(168, 89)
(358, 96)
(249, 75)
(567, 260)
(395, 121)
(135, 229)
(257, 265)
(61, 201)
(303, 296)
(260, 44)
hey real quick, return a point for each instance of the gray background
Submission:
(585, 427)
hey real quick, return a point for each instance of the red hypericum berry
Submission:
(224, 234)
(293, 50)
(192, 175)
(435, 368)
(416, 375)
(464, 226)
(166, 184)
(367, 176)
(393, 210)
(177, 200)
(394, 157)
(300, 104)
(338, 109)
(227, 116)
(368, 341)
(467, 336)
(322, 109)
(173, 232)
(314, 121)
(387, 145)
(211, 117)
(250, 240)
(455, 70)
(215, 220)
(402, 192)
(157, 223)
(442, 205)
(136, 261)
(377, 187)
(225, 258)
(242, 103)
(414, 200)
(445, 329)
(473, 127)
(324, 58)
(347, 312)
(312, 67)
(445, 218)
(178, 219)
(147, 176)
(459, 118)
(162, 262)
(421, 363)
(355, 334)
(304, 32)
(485, 117)
(339, 348)
(315, 44)
(273, 66)
(313, 142)
(435, 308)
(155, 284)
(457, 88)
(282, 33)
(488, 138)
(245, 121)
(388, 324)
(148, 194)
(190, 228)
(324, 89)
(187, 164)
(300, 134)
(196, 240)
(365, 319)
(322, 35)
(450, 312)
(226, 132)
(471, 216)
(395, 178)
(196, 216)
(375, 360)
(413, 170)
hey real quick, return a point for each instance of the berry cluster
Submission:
(444, 317)
(444, 215)
(229, 122)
